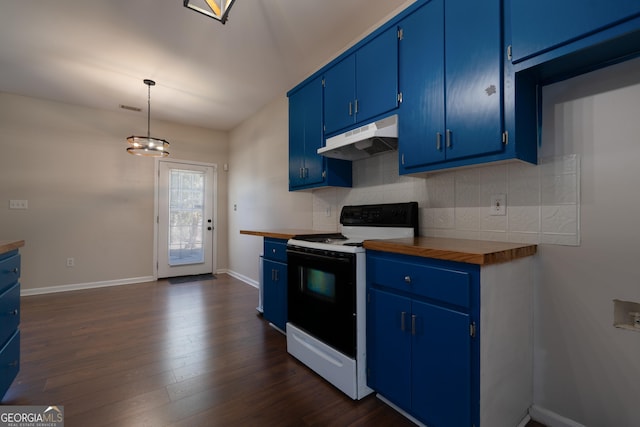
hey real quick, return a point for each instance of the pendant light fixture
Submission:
(148, 146)
(216, 9)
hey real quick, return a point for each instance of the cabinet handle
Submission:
(438, 141)
(276, 275)
(14, 312)
(13, 364)
(448, 138)
(403, 326)
(413, 324)
(350, 108)
(356, 109)
(407, 279)
(15, 270)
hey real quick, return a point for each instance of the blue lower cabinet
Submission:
(9, 319)
(274, 271)
(426, 344)
(9, 362)
(419, 346)
(275, 293)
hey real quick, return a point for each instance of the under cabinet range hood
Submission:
(375, 138)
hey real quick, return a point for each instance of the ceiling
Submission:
(97, 53)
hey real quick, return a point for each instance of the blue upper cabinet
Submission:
(451, 67)
(421, 125)
(340, 95)
(544, 30)
(307, 169)
(364, 84)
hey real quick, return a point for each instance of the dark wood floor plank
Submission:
(155, 354)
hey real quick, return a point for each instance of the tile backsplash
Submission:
(543, 201)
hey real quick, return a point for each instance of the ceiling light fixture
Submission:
(148, 146)
(216, 9)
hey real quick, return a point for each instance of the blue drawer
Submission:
(9, 312)
(9, 269)
(9, 362)
(411, 275)
(275, 249)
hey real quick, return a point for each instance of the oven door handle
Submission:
(312, 256)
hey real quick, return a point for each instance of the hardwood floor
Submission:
(155, 354)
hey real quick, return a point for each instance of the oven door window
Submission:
(321, 298)
(319, 284)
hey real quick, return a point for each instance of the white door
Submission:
(185, 223)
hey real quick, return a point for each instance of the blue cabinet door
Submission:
(296, 138)
(306, 167)
(451, 83)
(389, 346)
(274, 301)
(474, 93)
(421, 114)
(340, 95)
(543, 25)
(441, 363)
(377, 76)
(363, 85)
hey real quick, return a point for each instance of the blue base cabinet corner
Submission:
(449, 343)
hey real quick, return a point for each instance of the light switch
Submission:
(18, 204)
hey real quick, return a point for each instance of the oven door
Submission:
(322, 296)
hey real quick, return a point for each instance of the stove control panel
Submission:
(381, 215)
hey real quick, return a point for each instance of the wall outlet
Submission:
(18, 204)
(71, 262)
(498, 204)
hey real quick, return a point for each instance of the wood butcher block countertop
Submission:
(10, 245)
(282, 234)
(480, 252)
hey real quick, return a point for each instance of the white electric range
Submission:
(326, 292)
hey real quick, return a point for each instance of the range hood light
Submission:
(363, 145)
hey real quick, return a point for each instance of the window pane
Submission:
(186, 217)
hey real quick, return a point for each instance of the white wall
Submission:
(259, 197)
(88, 199)
(586, 369)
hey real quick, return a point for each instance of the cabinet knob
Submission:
(14, 312)
(15, 270)
(273, 250)
(407, 279)
(13, 364)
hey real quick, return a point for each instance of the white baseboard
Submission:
(525, 421)
(90, 285)
(550, 418)
(243, 278)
